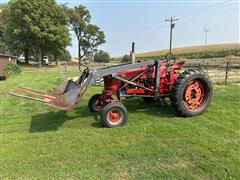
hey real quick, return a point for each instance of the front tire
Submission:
(95, 103)
(114, 115)
(191, 93)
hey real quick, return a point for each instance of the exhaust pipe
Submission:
(132, 54)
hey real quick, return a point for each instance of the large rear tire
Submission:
(191, 93)
(114, 115)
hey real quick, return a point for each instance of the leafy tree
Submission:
(89, 36)
(37, 25)
(89, 56)
(101, 56)
(126, 58)
(65, 56)
(4, 10)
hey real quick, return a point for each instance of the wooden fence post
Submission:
(207, 67)
(226, 74)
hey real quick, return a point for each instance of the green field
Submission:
(42, 143)
(197, 52)
(193, 52)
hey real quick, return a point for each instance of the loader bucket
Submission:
(67, 95)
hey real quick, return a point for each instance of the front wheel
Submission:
(191, 93)
(114, 115)
(95, 103)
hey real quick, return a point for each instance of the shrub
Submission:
(65, 56)
(11, 70)
(126, 58)
(102, 56)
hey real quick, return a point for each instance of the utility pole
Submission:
(172, 25)
(206, 33)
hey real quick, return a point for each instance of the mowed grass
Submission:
(42, 143)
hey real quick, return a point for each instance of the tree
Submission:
(126, 58)
(89, 36)
(101, 56)
(42, 27)
(65, 56)
(4, 11)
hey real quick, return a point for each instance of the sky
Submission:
(143, 22)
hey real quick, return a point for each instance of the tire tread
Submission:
(177, 87)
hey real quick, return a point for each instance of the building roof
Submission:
(5, 55)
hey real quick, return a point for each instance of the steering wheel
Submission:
(80, 65)
(169, 56)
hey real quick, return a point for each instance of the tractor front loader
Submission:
(190, 92)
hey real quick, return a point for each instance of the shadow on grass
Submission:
(48, 121)
(51, 121)
(158, 109)
(97, 123)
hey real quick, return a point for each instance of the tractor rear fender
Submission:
(177, 65)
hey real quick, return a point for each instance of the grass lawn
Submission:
(42, 143)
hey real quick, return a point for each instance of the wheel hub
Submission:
(98, 104)
(114, 116)
(194, 95)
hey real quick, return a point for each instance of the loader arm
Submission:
(94, 75)
(69, 93)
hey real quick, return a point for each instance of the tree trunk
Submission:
(57, 60)
(26, 55)
(79, 54)
(40, 58)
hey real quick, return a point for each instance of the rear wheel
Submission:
(95, 103)
(191, 93)
(114, 115)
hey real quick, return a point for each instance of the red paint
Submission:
(168, 75)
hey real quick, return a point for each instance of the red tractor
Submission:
(190, 92)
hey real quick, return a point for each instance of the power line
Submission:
(182, 20)
(202, 8)
(211, 13)
(214, 9)
(153, 26)
(190, 19)
(181, 15)
(161, 25)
